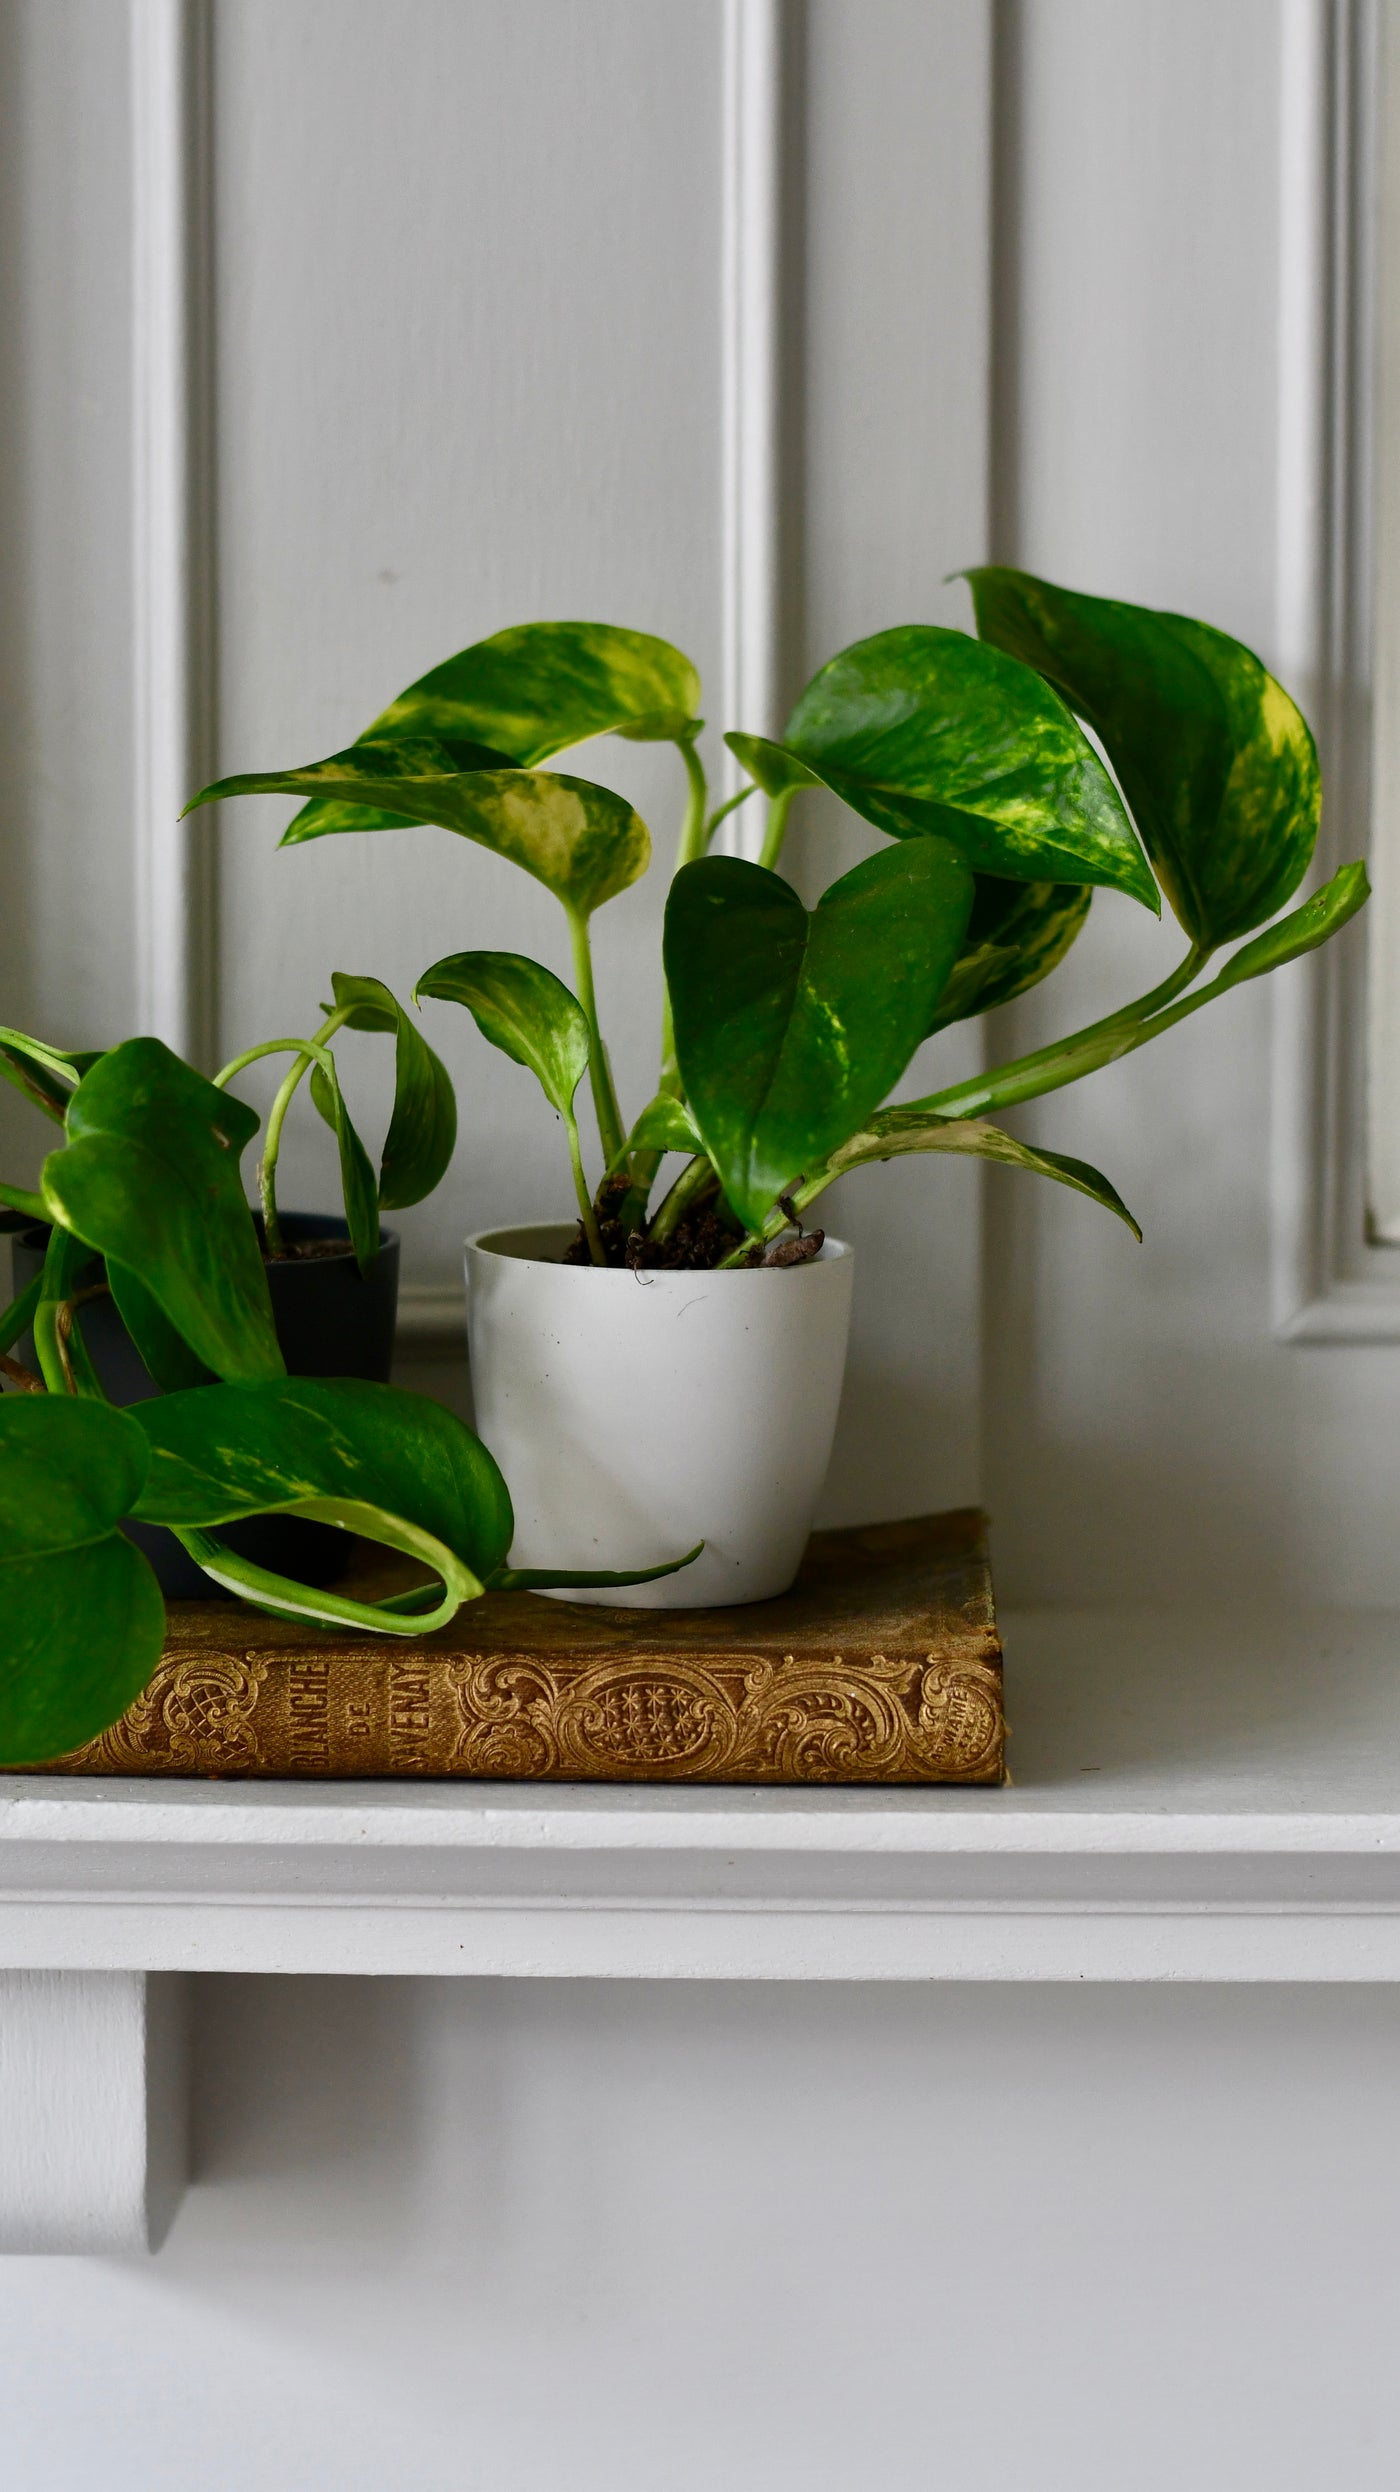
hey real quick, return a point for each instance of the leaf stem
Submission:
(586, 1212)
(62, 1353)
(776, 832)
(689, 1187)
(1065, 1059)
(731, 805)
(308, 1051)
(695, 830)
(611, 1131)
(19, 1314)
(288, 1599)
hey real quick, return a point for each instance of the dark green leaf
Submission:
(69, 1471)
(1214, 758)
(423, 1127)
(772, 765)
(357, 1182)
(522, 1009)
(790, 1029)
(309, 1441)
(902, 1130)
(582, 842)
(150, 1178)
(80, 1634)
(924, 730)
(1017, 933)
(81, 1619)
(19, 1314)
(166, 1354)
(541, 687)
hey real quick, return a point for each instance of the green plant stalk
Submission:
(731, 805)
(611, 1131)
(1026, 1077)
(309, 1051)
(287, 1599)
(19, 1314)
(62, 1353)
(689, 1187)
(1051, 1068)
(779, 807)
(586, 1212)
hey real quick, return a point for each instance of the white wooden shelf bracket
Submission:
(92, 2110)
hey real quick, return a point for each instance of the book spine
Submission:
(318, 1711)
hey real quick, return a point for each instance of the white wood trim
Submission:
(1155, 1831)
(93, 2110)
(1330, 1284)
(750, 365)
(172, 621)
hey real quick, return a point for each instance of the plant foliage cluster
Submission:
(786, 1030)
(784, 1033)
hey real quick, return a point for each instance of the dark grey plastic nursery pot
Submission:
(331, 1319)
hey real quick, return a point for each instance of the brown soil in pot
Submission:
(699, 1241)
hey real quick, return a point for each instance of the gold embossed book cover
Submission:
(881, 1665)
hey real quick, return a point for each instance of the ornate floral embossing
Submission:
(505, 1711)
(197, 1713)
(671, 1718)
(752, 1719)
(960, 1727)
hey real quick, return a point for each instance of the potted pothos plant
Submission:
(144, 1214)
(670, 1359)
(332, 1277)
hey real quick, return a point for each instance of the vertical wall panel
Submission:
(66, 923)
(894, 445)
(1147, 1434)
(468, 269)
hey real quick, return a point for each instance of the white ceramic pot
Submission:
(636, 1413)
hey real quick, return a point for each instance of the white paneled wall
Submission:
(468, 337)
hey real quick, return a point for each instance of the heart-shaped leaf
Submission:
(1017, 933)
(1214, 758)
(81, 1618)
(524, 1010)
(423, 1127)
(357, 1180)
(925, 730)
(318, 1442)
(325, 816)
(541, 687)
(150, 1178)
(582, 842)
(902, 1130)
(790, 1029)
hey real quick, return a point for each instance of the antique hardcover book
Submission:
(882, 1665)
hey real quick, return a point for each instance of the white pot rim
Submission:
(525, 1242)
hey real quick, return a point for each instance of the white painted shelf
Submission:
(1194, 1800)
